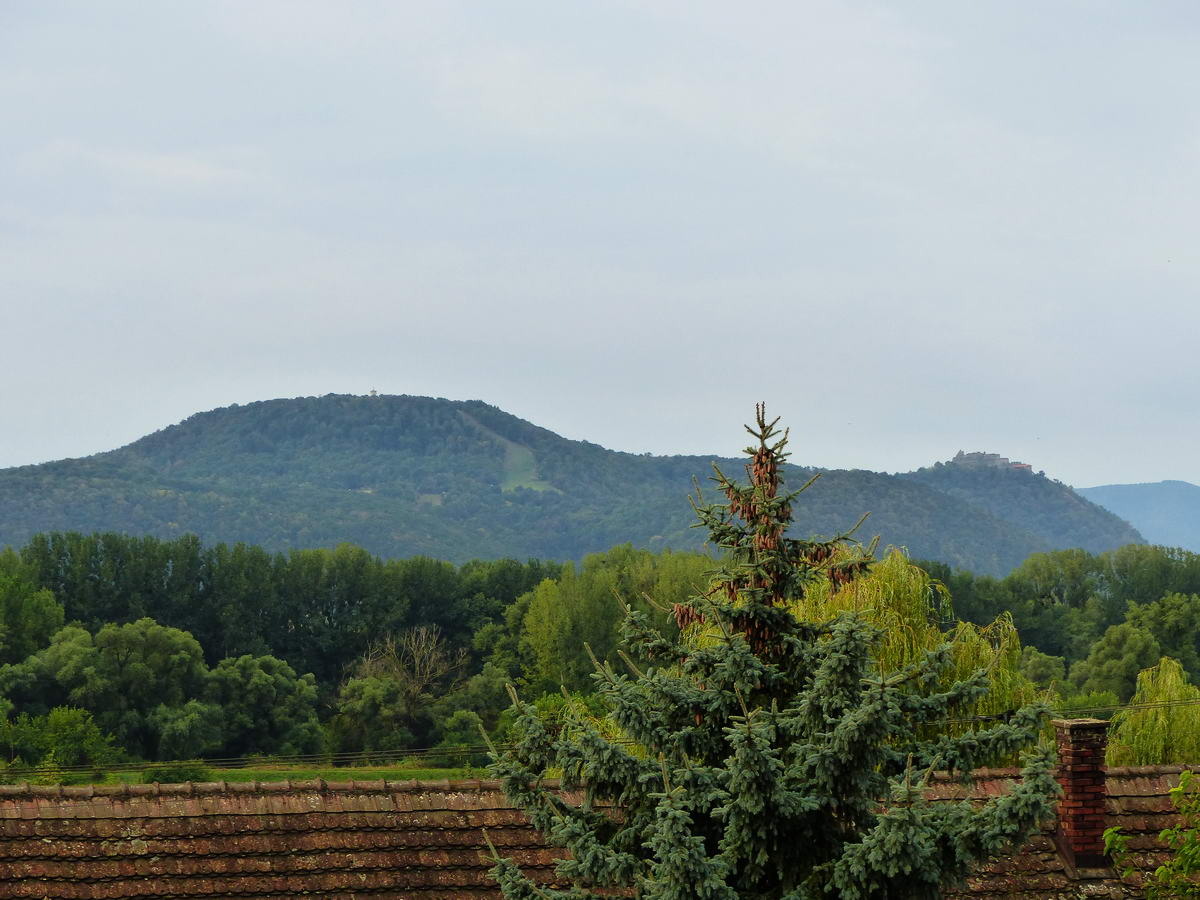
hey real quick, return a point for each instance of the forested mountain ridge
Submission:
(458, 480)
(1046, 508)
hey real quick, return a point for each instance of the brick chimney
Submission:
(1081, 770)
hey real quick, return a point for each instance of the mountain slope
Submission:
(1166, 512)
(1048, 509)
(462, 479)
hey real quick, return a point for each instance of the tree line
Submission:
(1090, 622)
(117, 647)
(167, 649)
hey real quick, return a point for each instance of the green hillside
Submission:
(1045, 508)
(458, 480)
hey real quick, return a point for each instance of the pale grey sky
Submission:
(910, 227)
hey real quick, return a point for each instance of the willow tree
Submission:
(1161, 724)
(914, 614)
(779, 761)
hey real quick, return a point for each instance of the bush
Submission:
(460, 746)
(65, 746)
(178, 772)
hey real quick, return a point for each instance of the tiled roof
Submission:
(414, 840)
(1137, 802)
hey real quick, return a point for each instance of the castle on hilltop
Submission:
(979, 460)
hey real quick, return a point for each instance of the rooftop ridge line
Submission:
(190, 789)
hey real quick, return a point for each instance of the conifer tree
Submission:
(778, 761)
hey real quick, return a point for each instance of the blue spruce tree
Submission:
(776, 761)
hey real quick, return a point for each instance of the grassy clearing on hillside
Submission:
(520, 469)
(520, 465)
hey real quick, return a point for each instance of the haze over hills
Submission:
(404, 475)
(1166, 512)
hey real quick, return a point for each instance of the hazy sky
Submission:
(910, 227)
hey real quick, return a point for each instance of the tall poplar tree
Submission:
(777, 761)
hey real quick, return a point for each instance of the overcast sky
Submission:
(910, 227)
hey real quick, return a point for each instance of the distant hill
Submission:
(1166, 512)
(461, 479)
(1049, 510)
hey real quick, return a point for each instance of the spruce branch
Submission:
(637, 673)
(741, 702)
(487, 740)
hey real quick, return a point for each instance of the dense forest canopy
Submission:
(353, 652)
(408, 476)
(171, 646)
